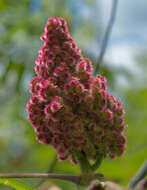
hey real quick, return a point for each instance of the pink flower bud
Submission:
(81, 66)
(70, 109)
(107, 114)
(34, 85)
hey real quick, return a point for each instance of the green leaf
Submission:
(15, 184)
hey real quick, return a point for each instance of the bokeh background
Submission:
(124, 65)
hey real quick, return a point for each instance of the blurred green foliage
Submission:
(15, 184)
(21, 24)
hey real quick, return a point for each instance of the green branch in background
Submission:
(15, 184)
(107, 35)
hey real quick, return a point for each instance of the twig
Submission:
(71, 178)
(75, 179)
(107, 35)
(140, 175)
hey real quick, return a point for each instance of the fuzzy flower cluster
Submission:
(70, 109)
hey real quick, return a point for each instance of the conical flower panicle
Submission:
(70, 109)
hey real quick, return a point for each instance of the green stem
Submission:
(87, 171)
(84, 164)
(98, 162)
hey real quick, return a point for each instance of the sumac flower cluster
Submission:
(70, 109)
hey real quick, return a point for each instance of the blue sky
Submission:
(131, 21)
(129, 32)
